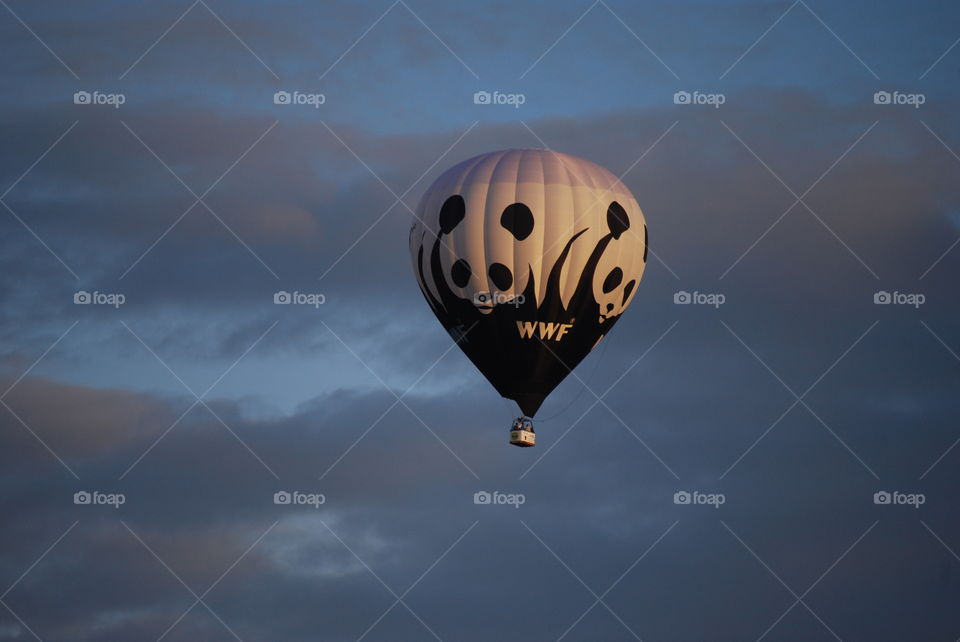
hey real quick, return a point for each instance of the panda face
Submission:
(495, 281)
(612, 290)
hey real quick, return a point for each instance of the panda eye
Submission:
(646, 243)
(460, 273)
(518, 220)
(501, 276)
(613, 280)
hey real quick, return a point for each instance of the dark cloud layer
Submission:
(797, 399)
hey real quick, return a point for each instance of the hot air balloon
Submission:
(528, 257)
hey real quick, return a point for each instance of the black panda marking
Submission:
(460, 273)
(617, 219)
(518, 220)
(501, 276)
(452, 212)
(627, 289)
(645, 244)
(589, 319)
(613, 280)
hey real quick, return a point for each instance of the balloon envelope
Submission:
(528, 257)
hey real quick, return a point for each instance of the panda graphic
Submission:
(528, 258)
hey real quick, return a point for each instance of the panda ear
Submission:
(617, 219)
(452, 212)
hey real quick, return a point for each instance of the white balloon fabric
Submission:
(528, 257)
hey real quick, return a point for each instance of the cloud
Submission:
(678, 398)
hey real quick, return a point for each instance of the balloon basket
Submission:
(522, 433)
(523, 438)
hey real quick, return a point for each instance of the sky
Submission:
(776, 460)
